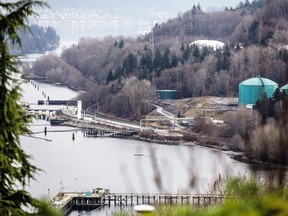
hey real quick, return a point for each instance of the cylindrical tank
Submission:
(284, 88)
(167, 94)
(251, 90)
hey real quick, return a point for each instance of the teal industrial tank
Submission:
(253, 89)
(168, 94)
(284, 88)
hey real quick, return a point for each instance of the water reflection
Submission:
(86, 163)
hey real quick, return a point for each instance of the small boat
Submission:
(138, 154)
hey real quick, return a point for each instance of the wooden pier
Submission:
(68, 202)
(158, 199)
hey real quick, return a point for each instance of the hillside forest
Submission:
(120, 74)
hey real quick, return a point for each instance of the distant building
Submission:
(208, 43)
(167, 94)
(251, 90)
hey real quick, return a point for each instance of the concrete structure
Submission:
(253, 89)
(79, 109)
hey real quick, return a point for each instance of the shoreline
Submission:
(204, 142)
(162, 140)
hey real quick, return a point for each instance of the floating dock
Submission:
(69, 201)
(110, 133)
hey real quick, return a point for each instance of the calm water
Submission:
(32, 91)
(87, 163)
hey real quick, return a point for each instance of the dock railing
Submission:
(67, 202)
(125, 199)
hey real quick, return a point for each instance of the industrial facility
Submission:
(252, 89)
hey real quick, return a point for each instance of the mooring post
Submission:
(109, 200)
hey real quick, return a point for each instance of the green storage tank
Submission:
(253, 89)
(285, 88)
(167, 94)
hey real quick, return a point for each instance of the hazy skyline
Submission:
(74, 19)
(170, 6)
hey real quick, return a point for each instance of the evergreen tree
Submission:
(182, 48)
(166, 59)
(118, 73)
(219, 63)
(264, 108)
(226, 58)
(16, 169)
(186, 53)
(143, 74)
(277, 95)
(196, 53)
(130, 64)
(157, 62)
(109, 77)
(253, 32)
(146, 61)
(121, 44)
(194, 10)
(174, 61)
(205, 52)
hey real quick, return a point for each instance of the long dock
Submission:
(69, 201)
(157, 199)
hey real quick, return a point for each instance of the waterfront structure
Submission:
(69, 201)
(79, 109)
(167, 94)
(252, 89)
